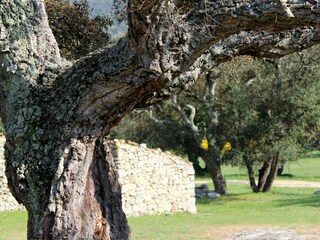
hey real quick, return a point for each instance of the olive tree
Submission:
(57, 114)
(270, 112)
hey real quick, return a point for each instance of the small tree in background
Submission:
(273, 117)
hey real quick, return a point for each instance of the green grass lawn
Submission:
(13, 225)
(282, 207)
(307, 169)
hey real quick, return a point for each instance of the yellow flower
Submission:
(226, 147)
(204, 144)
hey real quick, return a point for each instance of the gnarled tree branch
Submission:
(189, 121)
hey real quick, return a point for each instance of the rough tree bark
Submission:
(57, 114)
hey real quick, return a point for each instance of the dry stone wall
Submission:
(7, 201)
(152, 181)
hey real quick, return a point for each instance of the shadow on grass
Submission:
(207, 176)
(311, 155)
(207, 201)
(224, 199)
(311, 201)
(297, 177)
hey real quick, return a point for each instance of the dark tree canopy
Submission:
(76, 32)
(57, 114)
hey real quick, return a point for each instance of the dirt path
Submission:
(277, 183)
(268, 233)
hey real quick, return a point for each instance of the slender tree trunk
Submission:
(263, 174)
(273, 173)
(281, 168)
(251, 176)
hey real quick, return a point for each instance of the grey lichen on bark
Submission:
(57, 114)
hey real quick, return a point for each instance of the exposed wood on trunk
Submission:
(188, 120)
(88, 180)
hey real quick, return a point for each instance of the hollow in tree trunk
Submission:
(193, 158)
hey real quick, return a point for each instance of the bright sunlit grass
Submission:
(13, 225)
(280, 208)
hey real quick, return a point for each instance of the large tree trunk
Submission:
(56, 114)
(70, 188)
(86, 177)
(85, 198)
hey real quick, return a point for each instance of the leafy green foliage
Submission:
(146, 126)
(76, 32)
(276, 112)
